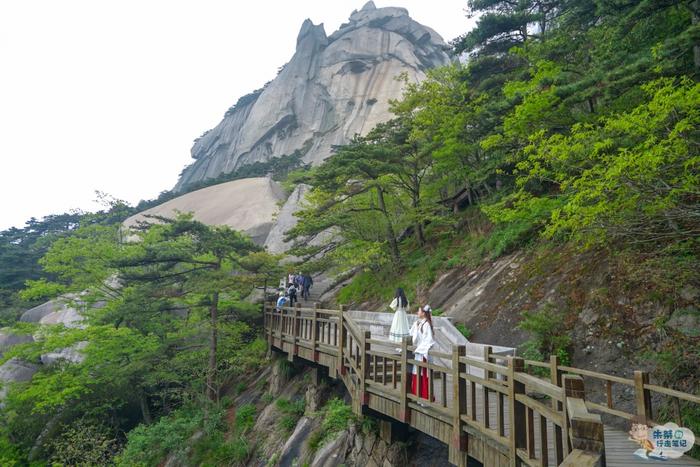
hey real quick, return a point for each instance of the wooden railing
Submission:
(526, 418)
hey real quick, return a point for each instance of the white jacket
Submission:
(394, 305)
(422, 335)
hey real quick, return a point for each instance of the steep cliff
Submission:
(333, 88)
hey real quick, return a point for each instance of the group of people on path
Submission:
(422, 334)
(297, 284)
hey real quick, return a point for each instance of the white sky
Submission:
(108, 95)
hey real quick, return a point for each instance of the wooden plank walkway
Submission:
(472, 398)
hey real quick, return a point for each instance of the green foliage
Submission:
(291, 413)
(240, 387)
(517, 220)
(336, 416)
(548, 334)
(315, 440)
(464, 330)
(84, 443)
(21, 249)
(10, 454)
(631, 176)
(369, 425)
(245, 418)
(278, 168)
(149, 444)
(287, 368)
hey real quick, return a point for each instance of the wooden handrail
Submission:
(319, 335)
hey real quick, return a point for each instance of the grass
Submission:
(291, 412)
(336, 416)
(245, 417)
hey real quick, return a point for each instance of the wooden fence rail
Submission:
(492, 407)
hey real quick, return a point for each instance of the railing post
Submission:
(585, 429)
(314, 331)
(280, 326)
(365, 368)
(487, 375)
(518, 427)
(295, 331)
(267, 328)
(342, 336)
(642, 396)
(459, 395)
(555, 378)
(404, 411)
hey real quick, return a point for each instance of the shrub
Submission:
(548, 335)
(464, 330)
(291, 413)
(337, 415)
(245, 418)
(149, 444)
(84, 443)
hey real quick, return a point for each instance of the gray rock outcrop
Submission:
(9, 339)
(64, 311)
(248, 205)
(333, 88)
(286, 220)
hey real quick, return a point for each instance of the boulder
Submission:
(14, 371)
(9, 339)
(293, 448)
(71, 354)
(249, 205)
(332, 454)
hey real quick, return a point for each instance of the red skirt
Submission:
(421, 381)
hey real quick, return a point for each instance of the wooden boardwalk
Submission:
(471, 398)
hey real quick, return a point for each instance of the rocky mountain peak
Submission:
(369, 6)
(310, 32)
(332, 88)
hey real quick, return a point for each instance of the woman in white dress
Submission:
(399, 325)
(423, 340)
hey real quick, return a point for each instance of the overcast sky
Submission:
(108, 95)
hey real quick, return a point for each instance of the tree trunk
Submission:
(145, 411)
(212, 392)
(420, 235)
(390, 235)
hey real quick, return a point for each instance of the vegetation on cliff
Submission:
(572, 125)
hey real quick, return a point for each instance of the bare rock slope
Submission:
(333, 88)
(249, 205)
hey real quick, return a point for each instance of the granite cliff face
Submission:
(333, 88)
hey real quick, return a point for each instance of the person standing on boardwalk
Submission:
(307, 283)
(399, 325)
(423, 339)
(292, 293)
(281, 301)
